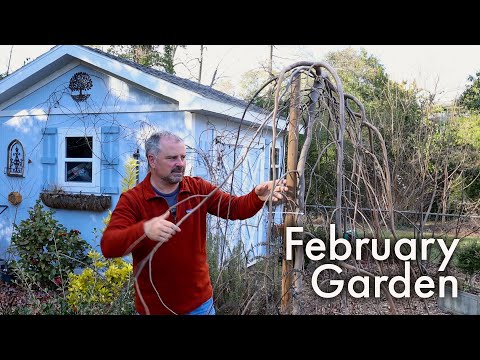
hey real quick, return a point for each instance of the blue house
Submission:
(72, 118)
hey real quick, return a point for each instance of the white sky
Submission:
(450, 65)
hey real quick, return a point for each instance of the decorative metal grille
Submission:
(16, 159)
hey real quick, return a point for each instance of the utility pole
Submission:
(291, 204)
(9, 60)
(201, 65)
(270, 61)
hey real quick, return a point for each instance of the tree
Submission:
(148, 55)
(167, 60)
(470, 98)
(362, 74)
(392, 107)
(250, 82)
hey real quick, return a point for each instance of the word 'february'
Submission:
(399, 250)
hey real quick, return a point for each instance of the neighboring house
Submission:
(70, 120)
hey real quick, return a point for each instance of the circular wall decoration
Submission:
(14, 198)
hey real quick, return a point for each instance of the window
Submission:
(79, 163)
(277, 164)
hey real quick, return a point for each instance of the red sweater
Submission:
(179, 267)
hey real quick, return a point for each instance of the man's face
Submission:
(169, 164)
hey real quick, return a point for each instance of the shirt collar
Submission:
(149, 193)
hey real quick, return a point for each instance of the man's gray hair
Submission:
(152, 145)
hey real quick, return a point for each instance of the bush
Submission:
(107, 287)
(45, 251)
(239, 289)
(99, 290)
(227, 279)
(468, 258)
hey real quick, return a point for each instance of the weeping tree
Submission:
(362, 155)
(392, 107)
(333, 122)
(339, 146)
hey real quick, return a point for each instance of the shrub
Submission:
(468, 258)
(106, 287)
(45, 251)
(227, 279)
(99, 289)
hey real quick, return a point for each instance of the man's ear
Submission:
(150, 159)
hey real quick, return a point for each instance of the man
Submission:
(170, 261)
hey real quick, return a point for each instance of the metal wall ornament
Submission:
(80, 82)
(15, 159)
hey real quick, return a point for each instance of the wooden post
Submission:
(290, 205)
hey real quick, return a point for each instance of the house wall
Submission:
(122, 117)
(107, 93)
(229, 147)
(129, 115)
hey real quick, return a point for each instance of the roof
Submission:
(190, 95)
(200, 89)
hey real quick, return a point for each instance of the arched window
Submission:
(16, 159)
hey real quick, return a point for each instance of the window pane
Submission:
(79, 147)
(78, 171)
(277, 156)
(277, 173)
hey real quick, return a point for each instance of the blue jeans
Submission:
(206, 308)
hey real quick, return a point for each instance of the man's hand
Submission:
(159, 228)
(263, 190)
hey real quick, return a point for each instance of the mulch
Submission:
(344, 304)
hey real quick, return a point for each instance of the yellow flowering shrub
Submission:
(128, 182)
(131, 173)
(101, 284)
(106, 286)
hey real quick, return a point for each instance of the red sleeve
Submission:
(123, 229)
(233, 207)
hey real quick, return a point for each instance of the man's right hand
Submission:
(159, 228)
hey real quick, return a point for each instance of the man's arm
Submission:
(234, 207)
(126, 229)
(123, 229)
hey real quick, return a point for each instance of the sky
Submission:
(443, 69)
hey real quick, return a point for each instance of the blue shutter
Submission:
(49, 157)
(109, 177)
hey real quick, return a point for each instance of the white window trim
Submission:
(93, 187)
(277, 164)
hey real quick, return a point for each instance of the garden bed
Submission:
(311, 303)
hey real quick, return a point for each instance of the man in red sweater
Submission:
(170, 260)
